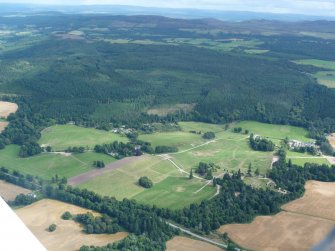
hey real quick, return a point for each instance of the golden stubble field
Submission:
(302, 224)
(179, 243)
(7, 108)
(9, 191)
(69, 235)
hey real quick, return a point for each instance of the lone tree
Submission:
(52, 227)
(145, 182)
(191, 174)
(249, 170)
(209, 135)
(67, 215)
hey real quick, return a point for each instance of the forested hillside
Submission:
(97, 69)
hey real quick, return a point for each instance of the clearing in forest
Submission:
(9, 191)
(68, 235)
(303, 224)
(7, 108)
(60, 137)
(180, 243)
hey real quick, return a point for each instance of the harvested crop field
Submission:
(7, 108)
(3, 125)
(185, 244)
(304, 223)
(68, 236)
(319, 200)
(9, 191)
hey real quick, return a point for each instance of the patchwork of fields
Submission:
(172, 188)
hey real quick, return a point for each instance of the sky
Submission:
(307, 7)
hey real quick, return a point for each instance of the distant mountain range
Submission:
(10, 9)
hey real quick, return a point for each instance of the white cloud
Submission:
(311, 7)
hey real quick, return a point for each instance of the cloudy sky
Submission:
(309, 7)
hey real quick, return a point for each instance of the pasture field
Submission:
(180, 243)
(68, 235)
(164, 110)
(256, 51)
(302, 158)
(329, 65)
(46, 165)
(180, 139)
(9, 191)
(275, 132)
(170, 189)
(7, 108)
(220, 45)
(175, 193)
(61, 137)
(326, 78)
(304, 223)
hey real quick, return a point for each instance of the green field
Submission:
(326, 78)
(46, 165)
(275, 132)
(182, 140)
(171, 188)
(329, 65)
(61, 137)
(302, 158)
(175, 193)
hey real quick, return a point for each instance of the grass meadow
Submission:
(61, 137)
(46, 165)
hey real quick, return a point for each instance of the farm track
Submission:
(82, 178)
(198, 236)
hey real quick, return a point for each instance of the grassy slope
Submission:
(180, 139)
(170, 189)
(47, 165)
(62, 136)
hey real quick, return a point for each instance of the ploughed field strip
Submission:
(84, 177)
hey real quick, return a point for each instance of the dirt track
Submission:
(82, 178)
